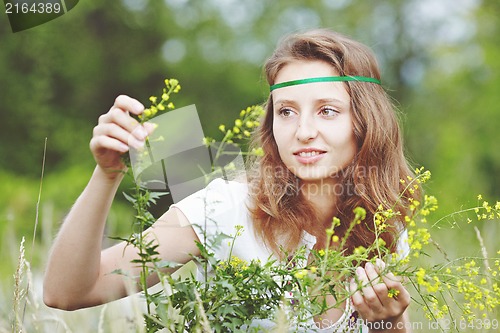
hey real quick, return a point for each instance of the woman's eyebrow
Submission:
(284, 101)
(318, 101)
(333, 101)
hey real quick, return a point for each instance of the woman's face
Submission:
(312, 122)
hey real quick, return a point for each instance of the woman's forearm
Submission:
(74, 262)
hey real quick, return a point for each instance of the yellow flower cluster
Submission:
(330, 232)
(485, 211)
(431, 283)
(480, 295)
(360, 250)
(234, 263)
(434, 310)
(430, 205)
(248, 120)
(417, 238)
(171, 86)
(393, 293)
(464, 283)
(412, 184)
(381, 216)
(476, 293)
(301, 273)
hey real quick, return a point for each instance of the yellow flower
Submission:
(222, 128)
(335, 238)
(420, 274)
(359, 250)
(393, 293)
(381, 242)
(257, 151)
(207, 141)
(301, 274)
(154, 110)
(360, 213)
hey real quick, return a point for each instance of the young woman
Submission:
(331, 142)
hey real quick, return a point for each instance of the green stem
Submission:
(141, 209)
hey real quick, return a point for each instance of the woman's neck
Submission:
(322, 196)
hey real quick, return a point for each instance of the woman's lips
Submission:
(309, 156)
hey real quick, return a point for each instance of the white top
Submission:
(222, 206)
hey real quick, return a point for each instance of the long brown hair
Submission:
(279, 210)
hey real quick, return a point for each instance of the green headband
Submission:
(325, 79)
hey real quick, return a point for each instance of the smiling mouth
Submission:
(308, 153)
(309, 156)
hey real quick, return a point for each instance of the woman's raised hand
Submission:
(382, 298)
(115, 132)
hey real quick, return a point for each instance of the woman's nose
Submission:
(306, 129)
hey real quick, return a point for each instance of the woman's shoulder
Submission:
(219, 197)
(218, 209)
(225, 191)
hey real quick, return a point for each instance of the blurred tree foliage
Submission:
(440, 61)
(454, 113)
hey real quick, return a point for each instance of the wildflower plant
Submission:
(141, 199)
(293, 292)
(459, 294)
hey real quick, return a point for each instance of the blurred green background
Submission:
(440, 62)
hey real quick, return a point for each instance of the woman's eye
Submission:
(285, 113)
(328, 112)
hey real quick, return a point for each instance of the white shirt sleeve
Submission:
(403, 248)
(214, 212)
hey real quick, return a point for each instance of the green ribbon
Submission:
(324, 79)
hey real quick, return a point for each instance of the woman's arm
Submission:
(78, 274)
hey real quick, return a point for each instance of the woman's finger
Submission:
(356, 296)
(100, 143)
(398, 291)
(129, 104)
(124, 120)
(372, 285)
(379, 265)
(114, 131)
